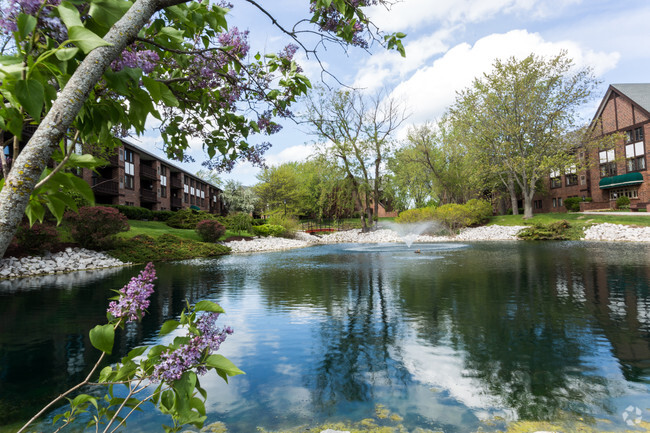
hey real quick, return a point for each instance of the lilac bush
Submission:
(169, 372)
(133, 298)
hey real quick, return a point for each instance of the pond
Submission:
(457, 338)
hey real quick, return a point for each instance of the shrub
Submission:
(210, 230)
(479, 211)
(239, 222)
(143, 248)
(557, 231)
(453, 216)
(135, 212)
(258, 222)
(415, 215)
(623, 202)
(572, 204)
(94, 227)
(162, 215)
(188, 218)
(36, 239)
(269, 230)
(291, 225)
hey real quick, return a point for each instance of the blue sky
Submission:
(449, 43)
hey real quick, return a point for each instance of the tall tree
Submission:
(519, 119)
(238, 198)
(103, 67)
(358, 133)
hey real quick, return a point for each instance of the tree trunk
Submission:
(31, 162)
(528, 204)
(513, 195)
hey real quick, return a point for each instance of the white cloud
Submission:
(413, 14)
(297, 153)
(433, 88)
(390, 65)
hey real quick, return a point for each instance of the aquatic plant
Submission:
(165, 375)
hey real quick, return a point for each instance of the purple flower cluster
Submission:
(331, 20)
(173, 363)
(13, 8)
(133, 57)
(134, 297)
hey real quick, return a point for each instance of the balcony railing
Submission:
(176, 202)
(148, 172)
(148, 196)
(105, 187)
(176, 183)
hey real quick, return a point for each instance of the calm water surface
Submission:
(447, 339)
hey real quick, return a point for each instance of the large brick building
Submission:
(621, 171)
(135, 177)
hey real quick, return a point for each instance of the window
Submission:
(556, 181)
(554, 202)
(129, 169)
(635, 156)
(186, 198)
(607, 163)
(570, 176)
(559, 202)
(163, 181)
(623, 192)
(537, 204)
(129, 182)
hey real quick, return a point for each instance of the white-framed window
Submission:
(192, 190)
(186, 189)
(571, 176)
(202, 194)
(607, 162)
(623, 192)
(635, 156)
(556, 180)
(554, 202)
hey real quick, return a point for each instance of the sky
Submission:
(448, 44)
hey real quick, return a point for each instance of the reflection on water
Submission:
(447, 339)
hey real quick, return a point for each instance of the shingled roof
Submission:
(637, 92)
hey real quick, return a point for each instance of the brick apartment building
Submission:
(613, 173)
(135, 177)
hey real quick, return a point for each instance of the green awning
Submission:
(626, 179)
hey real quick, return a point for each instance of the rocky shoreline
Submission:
(70, 260)
(77, 259)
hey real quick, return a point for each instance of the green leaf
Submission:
(85, 39)
(65, 54)
(105, 374)
(167, 96)
(209, 306)
(82, 187)
(102, 337)
(223, 366)
(400, 35)
(69, 14)
(107, 13)
(34, 211)
(26, 25)
(31, 95)
(168, 327)
(134, 353)
(153, 87)
(56, 206)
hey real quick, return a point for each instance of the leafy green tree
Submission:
(519, 119)
(210, 176)
(358, 135)
(105, 66)
(238, 198)
(278, 188)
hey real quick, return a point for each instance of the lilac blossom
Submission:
(133, 57)
(134, 297)
(13, 8)
(173, 363)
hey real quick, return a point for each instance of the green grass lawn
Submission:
(573, 218)
(157, 228)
